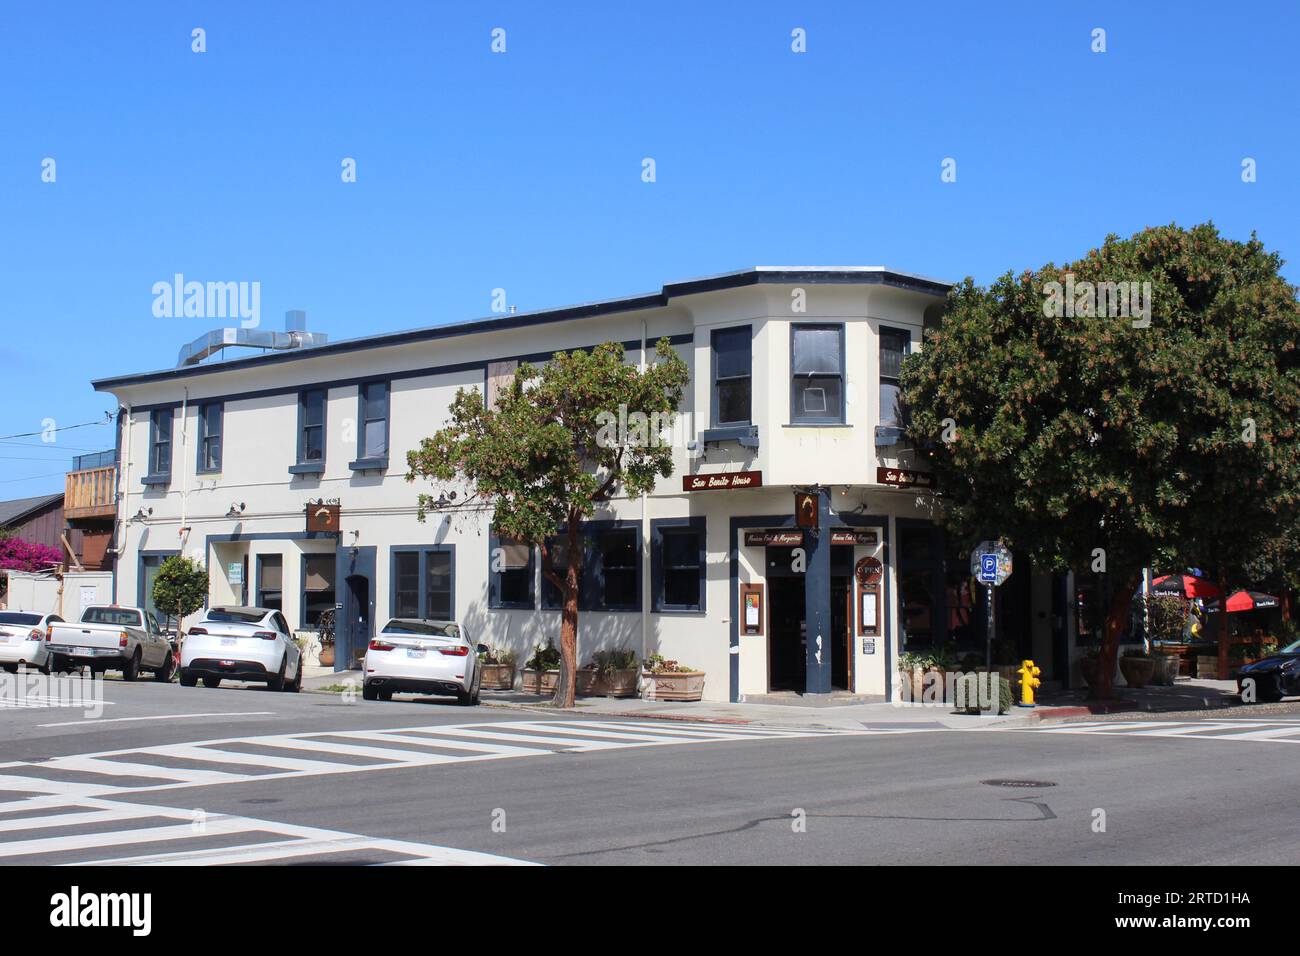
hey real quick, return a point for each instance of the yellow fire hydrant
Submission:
(1028, 681)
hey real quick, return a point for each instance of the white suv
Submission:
(241, 643)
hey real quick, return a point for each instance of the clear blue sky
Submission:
(523, 170)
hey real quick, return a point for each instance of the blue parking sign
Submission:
(988, 568)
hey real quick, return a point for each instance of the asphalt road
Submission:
(569, 790)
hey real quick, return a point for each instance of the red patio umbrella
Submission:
(1184, 585)
(1246, 601)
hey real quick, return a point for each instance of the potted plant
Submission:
(498, 666)
(325, 631)
(1166, 617)
(1090, 668)
(669, 680)
(1137, 666)
(618, 672)
(542, 670)
(914, 668)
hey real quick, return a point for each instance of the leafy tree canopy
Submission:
(559, 441)
(1170, 440)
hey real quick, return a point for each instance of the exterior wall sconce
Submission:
(236, 510)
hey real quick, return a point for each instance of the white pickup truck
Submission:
(109, 637)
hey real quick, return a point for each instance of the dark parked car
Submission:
(1275, 677)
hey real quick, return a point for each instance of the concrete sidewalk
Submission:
(847, 712)
(840, 712)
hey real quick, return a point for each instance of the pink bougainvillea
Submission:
(19, 555)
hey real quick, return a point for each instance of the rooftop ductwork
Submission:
(295, 336)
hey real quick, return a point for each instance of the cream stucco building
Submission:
(793, 382)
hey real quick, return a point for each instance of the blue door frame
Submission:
(354, 624)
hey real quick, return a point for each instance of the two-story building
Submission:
(792, 401)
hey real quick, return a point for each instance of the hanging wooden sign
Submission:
(763, 539)
(723, 481)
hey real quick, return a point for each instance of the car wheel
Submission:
(385, 695)
(212, 682)
(165, 673)
(187, 679)
(45, 667)
(131, 669)
(11, 668)
(368, 692)
(296, 685)
(478, 686)
(465, 698)
(277, 682)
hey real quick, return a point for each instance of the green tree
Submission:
(1104, 443)
(180, 588)
(552, 450)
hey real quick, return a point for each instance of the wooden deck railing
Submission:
(91, 493)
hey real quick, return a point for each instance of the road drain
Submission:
(1018, 783)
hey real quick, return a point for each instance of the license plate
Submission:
(227, 642)
(415, 652)
(84, 651)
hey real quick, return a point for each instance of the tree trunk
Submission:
(1222, 669)
(564, 688)
(1121, 602)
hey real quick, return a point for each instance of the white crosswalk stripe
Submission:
(56, 830)
(275, 756)
(1237, 729)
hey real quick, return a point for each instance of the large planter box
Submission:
(498, 677)
(587, 682)
(541, 682)
(1165, 669)
(686, 685)
(1137, 671)
(914, 684)
(1207, 668)
(620, 683)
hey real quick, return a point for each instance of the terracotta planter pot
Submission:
(621, 683)
(587, 682)
(498, 677)
(540, 682)
(686, 685)
(1137, 671)
(326, 657)
(914, 684)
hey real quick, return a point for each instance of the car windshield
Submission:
(1292, 648)
(422, 628)
(13, 617)
(235, 615)
(116, 616)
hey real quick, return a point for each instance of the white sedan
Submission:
(241, 643)
(414, 656)
(22, 639)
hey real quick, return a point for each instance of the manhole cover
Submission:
(1018, 783)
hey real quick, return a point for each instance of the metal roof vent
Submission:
(294, 336)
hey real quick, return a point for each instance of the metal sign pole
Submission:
(988, 643)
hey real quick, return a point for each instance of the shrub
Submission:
(545, 658)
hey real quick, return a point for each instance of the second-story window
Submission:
(311, 426)
(210, 424)
(893, 347)
(817, 374)
(374, 420)
(160, 441)
(732, 367)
